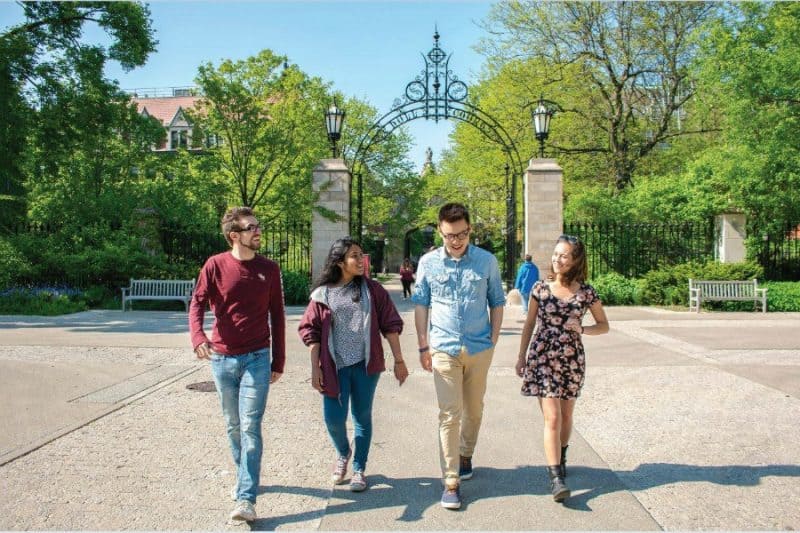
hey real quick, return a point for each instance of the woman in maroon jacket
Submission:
(342, 326)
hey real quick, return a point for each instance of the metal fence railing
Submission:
(778, 251)
(287, 243)
(632, 250)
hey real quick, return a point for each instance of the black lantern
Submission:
(541, 121)
(334, 118)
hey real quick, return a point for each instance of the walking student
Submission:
(406, 277)
(342, 326)
(554, 365)
(247, 345)
(458, 312)
(527, 275)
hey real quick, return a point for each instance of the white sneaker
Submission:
(244, 511)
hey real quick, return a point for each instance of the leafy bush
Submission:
(783, 296)
(670, 285)
(41, 301)
(13, 265)
(616, 289)
(295, 287)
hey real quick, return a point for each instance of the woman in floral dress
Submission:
(553, 368)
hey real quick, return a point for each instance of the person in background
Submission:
(247, 348)
(553, 367)
(527, 275)
(342, 326)
(458, 312)
(406, 277)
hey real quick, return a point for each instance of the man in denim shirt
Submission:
(458, 287)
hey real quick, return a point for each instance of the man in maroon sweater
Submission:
(246, 297)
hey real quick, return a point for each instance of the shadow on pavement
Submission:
(650, 475)
(416, 495)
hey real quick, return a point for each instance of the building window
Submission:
(178, 139)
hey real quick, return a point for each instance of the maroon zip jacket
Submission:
(315, 327)
(242, 294)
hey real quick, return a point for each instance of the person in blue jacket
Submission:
(527, 275)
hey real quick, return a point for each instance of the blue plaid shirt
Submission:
(459, 293)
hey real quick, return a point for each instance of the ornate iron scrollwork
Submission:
(436, 94)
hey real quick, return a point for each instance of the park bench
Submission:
(158, 289)
(702, 291)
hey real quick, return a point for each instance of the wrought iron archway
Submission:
(437, 94)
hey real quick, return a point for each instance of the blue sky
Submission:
(366, 49)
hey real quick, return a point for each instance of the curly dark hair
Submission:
(332, 272)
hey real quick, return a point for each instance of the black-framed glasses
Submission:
(453, 236)
(572, 239)
(250, 227)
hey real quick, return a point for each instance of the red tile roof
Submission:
(164, 109)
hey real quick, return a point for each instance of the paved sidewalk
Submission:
(687, 421)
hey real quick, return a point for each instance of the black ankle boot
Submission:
(563, 466)
(557, 485)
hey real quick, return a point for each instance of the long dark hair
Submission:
(580, 269)
(332, 272)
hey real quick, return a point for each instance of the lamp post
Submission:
(510, 232)
(334, 118)
(541, 121)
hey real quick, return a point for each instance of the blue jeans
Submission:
(525, 299)
(356, 389)
(243, 383)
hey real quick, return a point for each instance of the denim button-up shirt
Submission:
(459, 293)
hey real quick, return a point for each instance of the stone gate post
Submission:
(544, 204)
(730, 233)
(331, 181)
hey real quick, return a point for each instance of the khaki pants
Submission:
(460, 385)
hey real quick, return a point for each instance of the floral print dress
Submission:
(556, 362)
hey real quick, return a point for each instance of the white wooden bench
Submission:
(701, 291)
(158, 289)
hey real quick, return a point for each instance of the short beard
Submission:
(250, 246)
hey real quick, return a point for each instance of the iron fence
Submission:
(778, 251)
(288, 243)
(632, 250)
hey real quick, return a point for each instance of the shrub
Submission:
(616, 289)
(13, 265)
(670, 285)
(295, 287)
(41, 301)
(783, 296)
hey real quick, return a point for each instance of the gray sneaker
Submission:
(451, 497)
(358, 483)
(244, 512)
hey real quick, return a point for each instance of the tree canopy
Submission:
(623, 68)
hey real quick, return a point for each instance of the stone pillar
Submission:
(331, 182)
(544, 205)
(730, 232)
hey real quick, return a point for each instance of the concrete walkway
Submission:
(687, 421)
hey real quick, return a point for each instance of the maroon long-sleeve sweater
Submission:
(246, 298)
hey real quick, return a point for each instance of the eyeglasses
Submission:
(569, 238)
(250, 227)
(453, 236)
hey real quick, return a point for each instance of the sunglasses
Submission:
(250, 227)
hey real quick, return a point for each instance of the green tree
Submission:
(627, 66)
(61, 114)
(751, 63)
(269, 117)
(391, 189)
